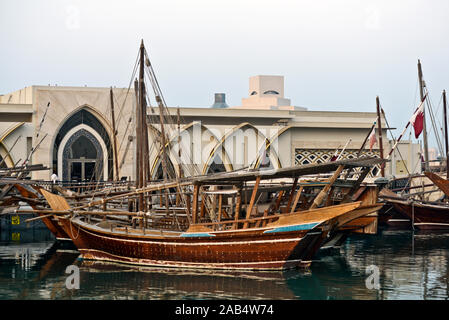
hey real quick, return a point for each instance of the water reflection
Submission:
(411, 266)
(129, 282)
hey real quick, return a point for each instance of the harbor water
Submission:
(392, 265)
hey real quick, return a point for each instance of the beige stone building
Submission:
(266, 130)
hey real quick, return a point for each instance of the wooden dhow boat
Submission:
(239, 237)
(425, 215)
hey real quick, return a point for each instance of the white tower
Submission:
(266, 92)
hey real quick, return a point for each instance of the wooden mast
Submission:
(146, 152)
(138, 136)
(114, 138)
(421, 93)
(143, 117)
(445, 133)
(163, 141)
(179, 143)
(379, 128)
(140, 166)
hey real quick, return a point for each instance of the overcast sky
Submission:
(334, 54)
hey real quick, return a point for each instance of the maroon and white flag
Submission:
(372, 139)
(417, 120)
(335, 156)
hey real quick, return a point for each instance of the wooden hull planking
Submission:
(425, 217)
(50, 222)
(241, 249)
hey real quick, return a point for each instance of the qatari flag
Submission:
(372, 139)
(417, 120)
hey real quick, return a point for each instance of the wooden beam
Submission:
(264, 222)
(188, 209)
(203, 206)
(290, 199)
(220, 203)
(237, 207)
(195, 203)
(379, 129)
(356, 185)
(329, 197)
(298, 195)
(323, 193)
(251, 203)
(279, 200)
(114, 138)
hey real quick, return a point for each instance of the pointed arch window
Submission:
(83, 116)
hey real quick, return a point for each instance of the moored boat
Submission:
(289, 242)
(424, 215)
(279, 239)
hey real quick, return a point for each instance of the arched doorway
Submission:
(82, 150)
(82, 158)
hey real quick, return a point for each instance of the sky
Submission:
(335, 55)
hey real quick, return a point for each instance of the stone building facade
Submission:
(265, 131)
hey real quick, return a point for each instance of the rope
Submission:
(71, 231)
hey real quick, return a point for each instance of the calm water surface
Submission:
(410, 266)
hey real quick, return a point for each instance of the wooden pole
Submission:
(379, 129)
(139, 136)
(295, 203)
(445, 133)
(292, 192)
(203, 205)
(278, 200)
(253, 199)
(356, 185)
(163, 142)
(114, 138)
(421, 93)
(143, 120)
(145, 151)
(195, 203)
(366, 138)
(178, 194)
(323, 193)
(220, 204)
(238, 205)
(179, 143)
(188, 204)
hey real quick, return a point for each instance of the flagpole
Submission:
(366, 138)
(405, 129)
(381, 146)
(342, 150)
(421, 93)
(445, 133)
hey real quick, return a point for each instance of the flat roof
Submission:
(16, 112)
